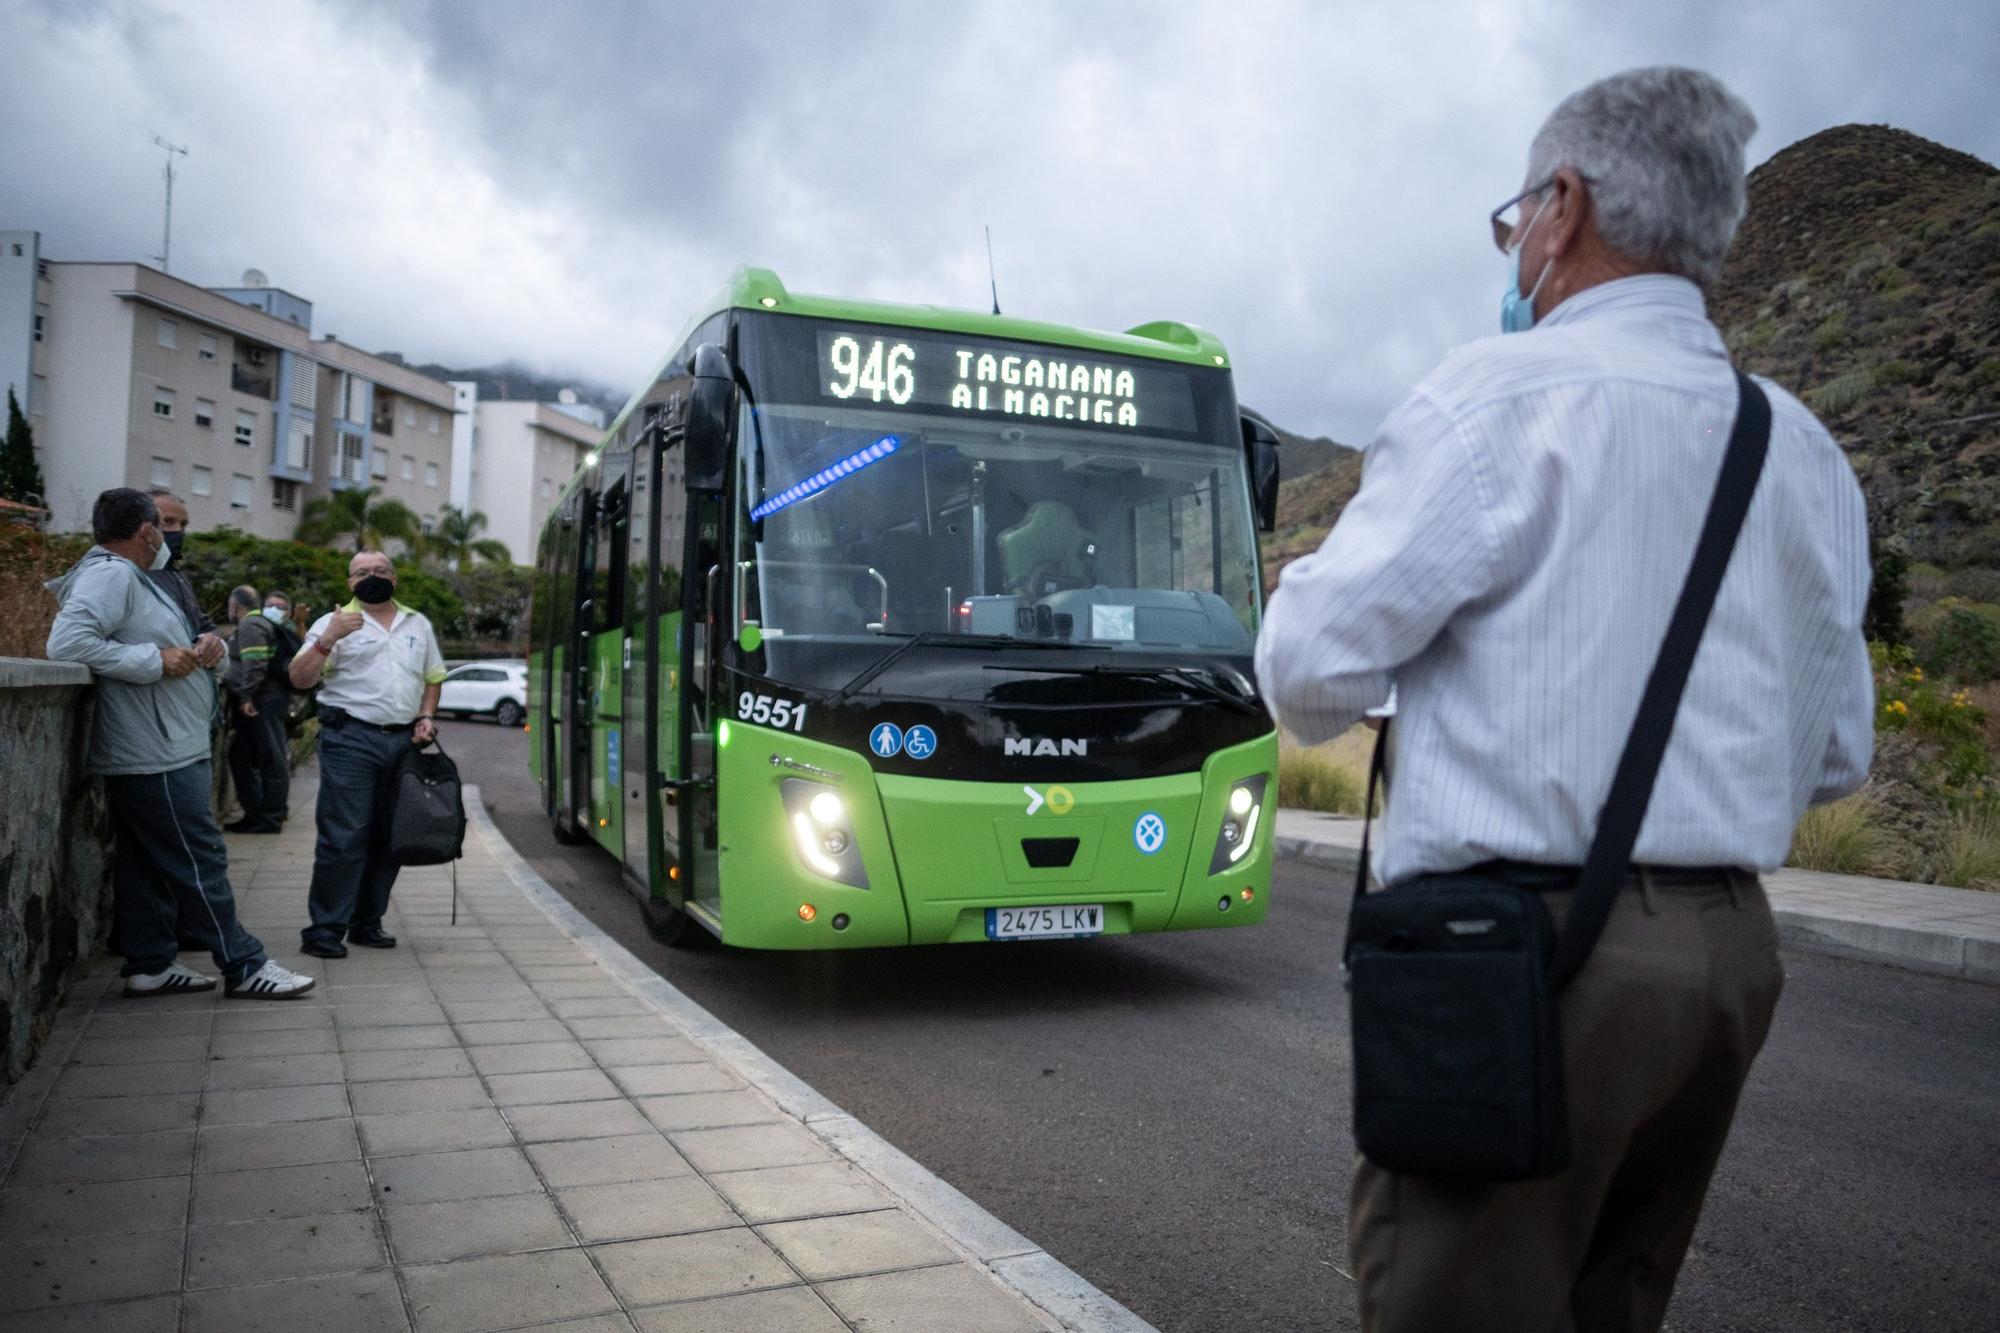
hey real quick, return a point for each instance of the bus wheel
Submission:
(673, 927)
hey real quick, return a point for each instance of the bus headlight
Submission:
(1240, 817)
(822, 832)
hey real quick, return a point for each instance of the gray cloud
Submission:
(469, 181)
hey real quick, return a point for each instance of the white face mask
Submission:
(163, 555)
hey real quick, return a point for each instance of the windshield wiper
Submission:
(1187, 676)
(938, 638)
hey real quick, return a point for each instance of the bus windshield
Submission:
(876, 527)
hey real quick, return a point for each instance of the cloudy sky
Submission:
(475, 180)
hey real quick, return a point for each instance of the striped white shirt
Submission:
(1524, 525)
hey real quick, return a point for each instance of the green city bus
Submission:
(871, 624)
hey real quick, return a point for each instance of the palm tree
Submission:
(334, 518)
(454, 539)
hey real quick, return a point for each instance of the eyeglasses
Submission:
(1503, 227)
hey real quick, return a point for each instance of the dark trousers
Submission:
(170, 874)
(260, 761)
(352, 869)
(1659, 1031)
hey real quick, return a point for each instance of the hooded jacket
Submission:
(115, 620)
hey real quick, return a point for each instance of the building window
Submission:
(409, 415)
(434, 423)
(206, 347)
(380, 467)
(285, 495)
(547, 487)
(204, 411)
(41, 325)
(239, 492)
(430, 474)
(169, 333)
(162, 473)
(201, 480)
(383, 419)
(350, 456)
(246, 427)
(428, 523)
(163, 403)
(409, 468)
(299, 447)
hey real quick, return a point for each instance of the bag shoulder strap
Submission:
(1610, 855)
(1631, 791)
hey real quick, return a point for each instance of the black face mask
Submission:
(375, 590)
(173, 547)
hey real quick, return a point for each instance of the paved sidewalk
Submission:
(1923, 927)
(485, 1128)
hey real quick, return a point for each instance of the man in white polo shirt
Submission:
(377, 665)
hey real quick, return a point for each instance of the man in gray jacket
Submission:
(150, 743)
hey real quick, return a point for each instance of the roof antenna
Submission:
(991, 276)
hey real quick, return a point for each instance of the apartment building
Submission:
(141, 379)
(522, 454)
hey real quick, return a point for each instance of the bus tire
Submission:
(673, 927)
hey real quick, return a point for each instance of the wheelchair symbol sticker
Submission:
(1149, 834)
(886, 740)
(920, 742)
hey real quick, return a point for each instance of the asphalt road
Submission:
(1166, 1114)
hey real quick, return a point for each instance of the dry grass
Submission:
(1843, 837)
(27, 560)
(1332, 777)
(1970, 856)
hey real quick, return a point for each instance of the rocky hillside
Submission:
(1866, 278)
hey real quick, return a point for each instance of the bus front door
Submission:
(703, 618)
(579, 711)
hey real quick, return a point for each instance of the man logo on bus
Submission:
(1041, 747)
(886, 740)
(1150, 833)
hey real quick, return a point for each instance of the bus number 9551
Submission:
(768, 712)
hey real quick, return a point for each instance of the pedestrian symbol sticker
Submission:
(1149, 834)
(920, 742)
(886, 740)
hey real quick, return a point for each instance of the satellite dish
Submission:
(567, 397)
(254, 277)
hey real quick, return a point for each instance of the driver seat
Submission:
(1048, 542)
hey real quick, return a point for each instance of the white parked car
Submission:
(496, 689)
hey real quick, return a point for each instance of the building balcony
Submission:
(261, 386)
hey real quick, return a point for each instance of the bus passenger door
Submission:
(579, 714)
(705, 592)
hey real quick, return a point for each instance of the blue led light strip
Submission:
(826, 476)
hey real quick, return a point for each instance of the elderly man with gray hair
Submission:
(1525, 529)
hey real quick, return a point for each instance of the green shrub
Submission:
(1841, 392)
(1831, 332)
(1956, 637)
(1896, 372)
(1889, 279)
(1987, 372)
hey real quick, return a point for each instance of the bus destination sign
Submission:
(983, 377)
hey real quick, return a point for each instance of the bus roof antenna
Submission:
(990, 274)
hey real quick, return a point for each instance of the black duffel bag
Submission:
(426, 809)
(1454, 979)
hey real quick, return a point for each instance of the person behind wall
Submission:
(258, 693)
(378, 668)
(150, 743)
(173, 580)
(1525, 520)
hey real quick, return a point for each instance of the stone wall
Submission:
(55, 884)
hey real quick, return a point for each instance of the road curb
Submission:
(1023, 1267)
(1911, 946)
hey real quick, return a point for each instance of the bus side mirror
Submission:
(1260, 450)
(711, 421)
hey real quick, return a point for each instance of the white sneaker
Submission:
(270, 982)
(178, 979)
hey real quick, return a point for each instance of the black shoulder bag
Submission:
(427, 813)
(1454, 978)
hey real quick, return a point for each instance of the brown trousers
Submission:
(1659, 1031)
